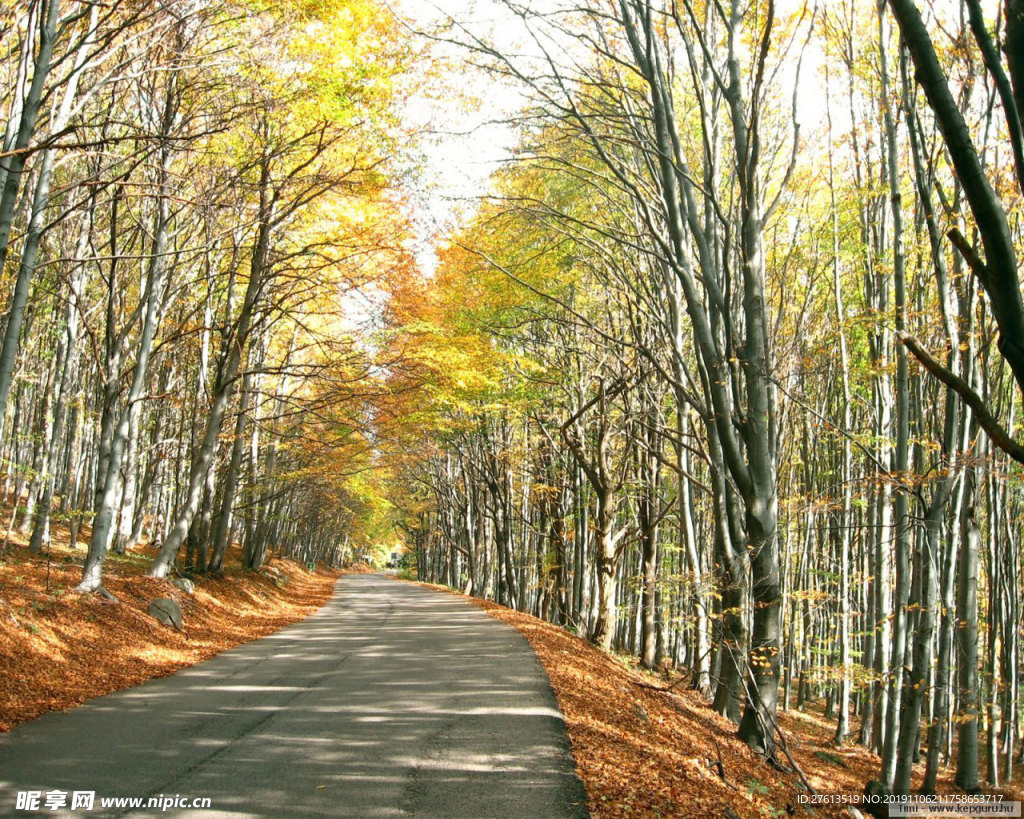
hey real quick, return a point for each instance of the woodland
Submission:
(721, 369)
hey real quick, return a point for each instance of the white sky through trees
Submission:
(463, 116)
(463, 123)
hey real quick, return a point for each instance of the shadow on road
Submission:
(392, 700)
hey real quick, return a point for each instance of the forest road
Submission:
(392, 700)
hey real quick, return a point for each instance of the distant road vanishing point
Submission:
(392, 700)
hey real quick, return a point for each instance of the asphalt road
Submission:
(392, 700)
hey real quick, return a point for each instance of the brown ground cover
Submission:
(646, 752)
(59, 649)
(640, 751)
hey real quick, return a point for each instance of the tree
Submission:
(997, 272)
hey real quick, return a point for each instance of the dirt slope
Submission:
(59, 649)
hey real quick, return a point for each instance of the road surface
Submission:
(392, 700)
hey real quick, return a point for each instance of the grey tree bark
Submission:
(236, 345)
(997, 272)
(49, 12)
(102, 527)
(901, 462)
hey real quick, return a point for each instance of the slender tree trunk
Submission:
(902, 547)
(222, 524)
(222, 391)
(104, 519)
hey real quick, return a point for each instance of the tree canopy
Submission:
(721, 367)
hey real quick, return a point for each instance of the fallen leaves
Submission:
(643, 751)
(59, 649)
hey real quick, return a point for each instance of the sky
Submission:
(462, 124)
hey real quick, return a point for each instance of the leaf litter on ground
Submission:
(647, 747)
(59, 648)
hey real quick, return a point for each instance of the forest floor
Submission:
(645, 751)
(640, 750)
(59, 649)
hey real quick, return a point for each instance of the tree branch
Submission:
(1000, 437)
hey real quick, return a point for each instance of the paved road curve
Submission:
(392, 700)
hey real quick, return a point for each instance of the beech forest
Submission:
(693, 327)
